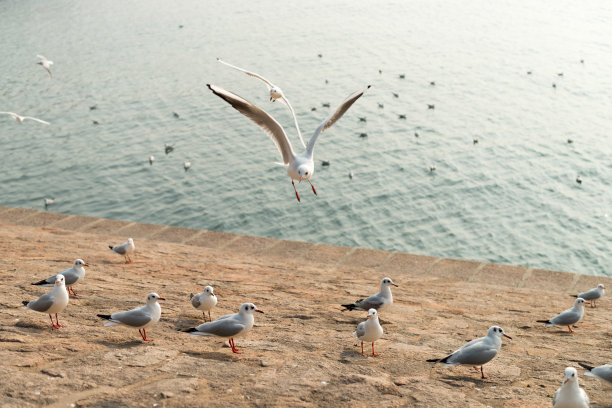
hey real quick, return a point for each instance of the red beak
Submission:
(161, 298)
(505, 335)
(85, 264)
(258, 311)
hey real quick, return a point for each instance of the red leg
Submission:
(482, 373)
(52, 324)
(362, 353)
(209, 318)
(57, 323)
(234, 349)
(204, 315)
(570, 329)
(476, 368)
(144, 337)
(373, 353)
(313, 189)
(294, 189)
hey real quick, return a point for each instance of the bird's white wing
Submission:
(35, 119)
(41, 57)
(253, 74)
(9, 113)
(333, 117)
(297, 127)
(261, 118)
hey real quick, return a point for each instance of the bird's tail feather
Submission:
(586, 367)
(25, 302)
(348, 307)
(42, 282)
(543, 321)
(107, 317)
(191, 296)
(110, 246)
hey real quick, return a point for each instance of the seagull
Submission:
(477, 352)
(475, 140)
(593, 294)
(416, 134)
(350, 174)
(381, 105)
(95, 122)
(325, 163)
(430, 106)
(579, 180)
(176, 115)
(168, 148)
(275, 93)
(124, 249)
(369, 331)
(326, 104)
(187, 165)
(603, 372)
(432, 83)
(204, 301)
(139, 318)
(402, 116)
(363, 119)
(402, 76)
(299, 166)
(45, 63)
(379, 301)
(363, 134)
(48, 202)
(72, 276)
(432, 168)
(229, 326)
(567, 317)
(54, 301)
(93, 107)
(151, 160)
(570, 395)
(570, 141)
(20, 118)
(395, 94)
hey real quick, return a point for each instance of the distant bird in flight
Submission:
(20, 119)
(46, 64)
(275, 93)
(299, 166)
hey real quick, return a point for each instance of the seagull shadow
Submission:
(350, 355)
(122, 345)
(211, 355)
(452, 380)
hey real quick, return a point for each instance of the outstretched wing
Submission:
(297, 127)
(333, 117)
(254, 75)
(261, 118)
(35, 119)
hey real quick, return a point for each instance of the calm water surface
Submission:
(510, 198)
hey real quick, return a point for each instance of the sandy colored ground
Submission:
(301, 351)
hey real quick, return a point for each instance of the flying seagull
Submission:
(299, 166)
(275, 93)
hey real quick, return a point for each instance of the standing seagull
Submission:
(275, 93)
(369, 331)
(204, 301)
(54, 301)
(72, 276)
(45, 63)
(299, 166)
(124, 249)
(593, 294)
(603, 372)
(229, 326)
(567, 317)
(477, 352)
(378, 301)
(20, 118)
(139, 318)
(570, 395)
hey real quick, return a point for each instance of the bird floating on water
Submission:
(431, 106)
(579, 180)
(325, 163)
(168, 148)
(299, 166)
(187, 165)
(48, 201)
(151, 160)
